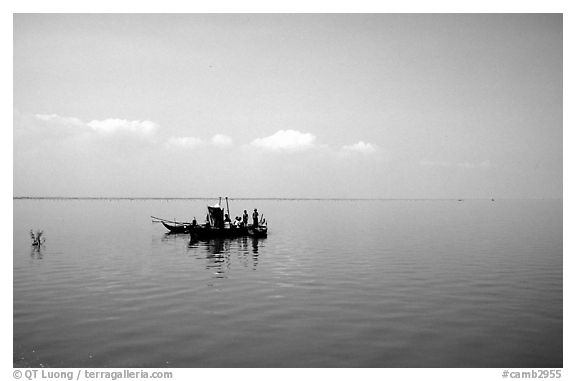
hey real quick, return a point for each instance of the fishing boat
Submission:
(217, 226)
(174, 227)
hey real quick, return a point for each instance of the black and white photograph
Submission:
(287, 190)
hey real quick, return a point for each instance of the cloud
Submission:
(64, 120)
(67, 135)
(221, 141)
(50, 126)
(104, 127)
(360, 147)
(184, 142)
(124, 129)
(110, 126)
(218, 140)
(286, 140)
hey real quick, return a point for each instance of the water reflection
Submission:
(167, 237)
(37, 252)
(222, 254)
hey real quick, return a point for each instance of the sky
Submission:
(288, 105)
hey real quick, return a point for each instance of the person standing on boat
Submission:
(255, 218)
(245, 218)
(227, 222)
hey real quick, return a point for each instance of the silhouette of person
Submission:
(255, 218)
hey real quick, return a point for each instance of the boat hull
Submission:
(176, 229)
(208, 232)
(258, 232)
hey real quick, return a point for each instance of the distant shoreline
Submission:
(274, 198)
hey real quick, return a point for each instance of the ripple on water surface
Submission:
(335, 284)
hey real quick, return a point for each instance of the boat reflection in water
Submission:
(222, 254)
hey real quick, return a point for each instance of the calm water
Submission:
(335, 284)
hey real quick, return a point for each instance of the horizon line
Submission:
(280, 198)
